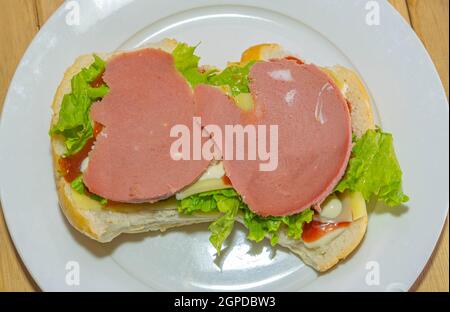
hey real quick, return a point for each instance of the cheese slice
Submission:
(356, 202)
(244, 101)
(342, 85)
(211, 180)
(262, 52)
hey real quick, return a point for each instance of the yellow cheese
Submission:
(244, 101)
(257, 52)
(339, 83)
(356, 202)
(84, 201)
(210, 180)
(226, 89)
(202, 186)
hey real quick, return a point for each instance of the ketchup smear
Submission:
(70, 165)
(314, 230)
(293, 58)
(98, 81)
(226, 180)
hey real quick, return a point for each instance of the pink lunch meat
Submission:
(131, 159)
(314, 137)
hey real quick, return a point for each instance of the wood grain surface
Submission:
(20, 20)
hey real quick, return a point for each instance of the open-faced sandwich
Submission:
(112, 138)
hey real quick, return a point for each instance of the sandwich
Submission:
(113, 153)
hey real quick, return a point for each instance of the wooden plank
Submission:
(430, 20)
(13, 274)
(45, 9)
(435, 275)
(18, 25)
(402, 8)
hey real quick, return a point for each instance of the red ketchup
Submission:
(293, 58)
(315, 230)
(226, 180)
(70, 166)
(98, 81)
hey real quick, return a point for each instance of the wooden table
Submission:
(20, 20)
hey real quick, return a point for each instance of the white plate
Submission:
(399, 74)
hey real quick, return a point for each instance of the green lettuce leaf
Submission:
(222, 227)
(374, 170)
(229, 203)
(235, 77)
(186, 62)
(295, 223)
(206, 201)
(226, 201)
(78, 185)
(184, 57)
(259, 227)
(74, 122)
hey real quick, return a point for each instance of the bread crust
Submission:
(105, 223)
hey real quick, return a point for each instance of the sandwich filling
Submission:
(115, 136)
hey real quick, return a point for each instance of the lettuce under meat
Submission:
(186, 62)
(79, 187)
(229, 203)
(234, 77)
(226, 201)
(260, 227)
(222, 227)
(374, 170)
(74, 121)
(206, 201)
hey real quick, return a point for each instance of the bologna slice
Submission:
(131, 160)
(314, 136)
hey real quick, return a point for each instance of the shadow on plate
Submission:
(378, 207)
(232, 241)
(106, 249)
